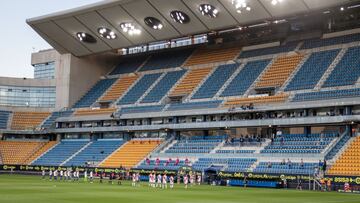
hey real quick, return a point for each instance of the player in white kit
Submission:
(43, 173)
(138, 179)
(199, 179)
(61, 175)
(164, 181)
(186, 181)
(133, 180)
(150, 175)
(65, 175)
(91, 177)
(153, 177)
(171, 179)
(50, 175)
(85, 176)
(158, 184)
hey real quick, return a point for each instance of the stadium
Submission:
(187, 101)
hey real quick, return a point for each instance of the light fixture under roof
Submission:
(130, 28)
(241, 5)
(107, 33)
(275, 2)
(208, 10)
(85, 37)
(179, 17)
(154, 23)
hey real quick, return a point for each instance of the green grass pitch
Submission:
(29, 189)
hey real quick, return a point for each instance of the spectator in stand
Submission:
(324, 165)
(186, 161)
(321, 165)
(269, 164)
(147, 161)
(177, 161)
(283, 162)
(157, 161)
(302, 164)
(289, 163)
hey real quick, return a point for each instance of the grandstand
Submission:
(226, 101)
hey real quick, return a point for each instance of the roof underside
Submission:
(59, 29)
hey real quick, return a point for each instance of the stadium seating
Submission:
(347, 71)
(44, 148)
(164, 85)
(141, 109)
(119, 88)
(290, 46)
(314, 43)
(27, 120)
(91, 112)
(279, 71)
(55, 115)
(194, 105)
(312, 70)
(164, 60)
(130, 153)
(256, 100)
(129, 65)
(226, 151)
(4, 117)
(95, 152)
(94, 93)
(228, 165)
(163, 165)
(299, 143)
(286, 168)
(196, 144)
(17, 152)
(326, 95)
(245, 78)
(348, 163)
(60, 153)
(212, 55)
(190, 81)
(331, 154)
(139, 89)
(213, 84)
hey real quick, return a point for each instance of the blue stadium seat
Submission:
(194, 105)
(347, 71)
(62, 151)
(337, 147)
(299, 144)
(245, 78)
(213, 84)
(312, 70)
(292, 168)
(195, 144)
(95, 152)
(228, 165)
(163, 165)
(164, 60)
(94, 93)
(4, 117)
(164, 85)
(55, 115)
(314, 43)
(141, 109)
(129, 65)
(139, 89)
(325, 95)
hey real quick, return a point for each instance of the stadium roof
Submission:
(115, 24)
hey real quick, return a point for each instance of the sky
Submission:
(18, 40)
